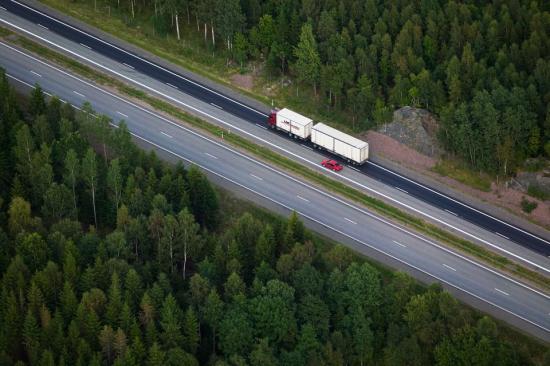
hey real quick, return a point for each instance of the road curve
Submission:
(504, 297)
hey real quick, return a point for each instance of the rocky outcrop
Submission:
(415, 128)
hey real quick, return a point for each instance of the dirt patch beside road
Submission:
(510, 199)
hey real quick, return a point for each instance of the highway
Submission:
(374, 179)
(370, 234)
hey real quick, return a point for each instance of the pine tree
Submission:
(191, 331)
(170, 322)
(308, 62)
(156, 356)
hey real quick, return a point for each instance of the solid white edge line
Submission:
(460, 203)
(502, 292)
(21, 81)
(346, 235)
(288, 152)
(449, 267)
(139, 58)
(308, 217)
(479, 265)
(398, 243)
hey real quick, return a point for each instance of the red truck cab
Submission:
(272, 119)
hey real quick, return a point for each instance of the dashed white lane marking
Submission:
(307, 147)
(451, 268)
(35, 73)
(42, 26)
(352, 167)
(502, 292)
(353, 222)
(401, 245)
(255, 176)
(122, 114)
(451, 212)
(212, 156)
(62, 100)
(173, 86)
(130, 66)
(79, 94)
(86, 46)
(265, 128)
(1, 7)
(165, 134)
(215, 105)
(402, 190)
(302, 198)
(501, 235)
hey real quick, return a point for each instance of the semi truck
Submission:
(293, 123)
(353, 150)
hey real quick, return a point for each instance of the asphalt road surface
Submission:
(450, 206)
(482, 287)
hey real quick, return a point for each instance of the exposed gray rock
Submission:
(540, 180)
(416, 128)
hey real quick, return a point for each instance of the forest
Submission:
(109, 256)
(483, 67)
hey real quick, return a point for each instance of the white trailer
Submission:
(350, 148)
(295, 124)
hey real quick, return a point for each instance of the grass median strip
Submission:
(266, 154)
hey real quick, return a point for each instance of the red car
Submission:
(331, 164)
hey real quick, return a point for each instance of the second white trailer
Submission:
(350, 148)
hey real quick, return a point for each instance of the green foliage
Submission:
(308, 62)
(372, 57)
(536, 191)
(528, 206)
(74, 295)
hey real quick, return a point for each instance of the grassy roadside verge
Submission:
(377, 205)
(185, 53)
